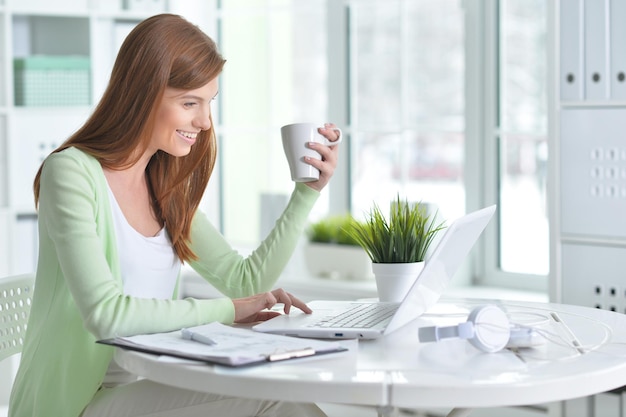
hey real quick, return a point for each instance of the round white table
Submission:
(584, 354)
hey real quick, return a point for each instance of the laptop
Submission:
(452, 249)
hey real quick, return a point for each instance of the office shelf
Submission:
(55, 60)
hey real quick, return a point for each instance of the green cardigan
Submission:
(78, 289)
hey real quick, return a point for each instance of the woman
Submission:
(117, 206)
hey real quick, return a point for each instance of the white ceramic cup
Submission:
(295, 139)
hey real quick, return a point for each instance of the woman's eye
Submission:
(189, 104)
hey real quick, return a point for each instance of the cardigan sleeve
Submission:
(237, 276)
(76, 229)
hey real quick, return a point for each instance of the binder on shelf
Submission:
(596, 49)
(230, 346)
(618, 49)
(571, 48)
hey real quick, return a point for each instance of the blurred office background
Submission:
(440, 101)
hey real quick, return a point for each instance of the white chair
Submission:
(16, 294)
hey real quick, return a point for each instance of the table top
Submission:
(398, 371)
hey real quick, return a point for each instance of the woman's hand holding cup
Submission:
(311, 152)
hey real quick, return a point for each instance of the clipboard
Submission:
(233, 346)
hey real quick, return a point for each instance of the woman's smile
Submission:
(189, 137)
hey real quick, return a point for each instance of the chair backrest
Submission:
(16, 294)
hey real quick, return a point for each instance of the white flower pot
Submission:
(393, 281)
(338, 261)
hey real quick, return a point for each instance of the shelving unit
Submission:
(590, 98)
(64, 52)
(589, 168)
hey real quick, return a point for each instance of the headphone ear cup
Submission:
(492, 329)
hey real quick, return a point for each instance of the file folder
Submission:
(231, 346)
(617, 43)
(596, 49)
(571, 39)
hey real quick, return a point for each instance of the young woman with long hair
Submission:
(118, 215)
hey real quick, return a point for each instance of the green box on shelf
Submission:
(45, 80)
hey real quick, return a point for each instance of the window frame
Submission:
(484, 62)
(482, 148)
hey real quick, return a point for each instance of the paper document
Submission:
(231, 346)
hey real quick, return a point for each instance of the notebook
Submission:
(452, 249)
(230, 346)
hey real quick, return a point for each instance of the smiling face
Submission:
(181, 115)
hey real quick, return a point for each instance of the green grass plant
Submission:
(333, 229)
(403, 236)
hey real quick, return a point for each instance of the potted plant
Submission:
(397, 244)
(332, 252)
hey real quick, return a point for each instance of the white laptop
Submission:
(457, 241)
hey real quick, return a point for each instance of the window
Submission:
(523, 137)
(275, 74)
(440, 101)
(519, 140)
(407, 95)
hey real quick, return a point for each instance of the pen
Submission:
(189, 335)
(291, 354)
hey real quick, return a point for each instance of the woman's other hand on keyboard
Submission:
(256, 307)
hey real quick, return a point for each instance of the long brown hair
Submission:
(162, 51)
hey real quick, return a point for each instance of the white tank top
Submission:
(149, 268)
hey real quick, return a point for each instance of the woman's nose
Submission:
(203, 121)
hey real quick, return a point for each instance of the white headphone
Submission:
(487, 328)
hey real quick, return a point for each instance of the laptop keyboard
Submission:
(360, 316)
